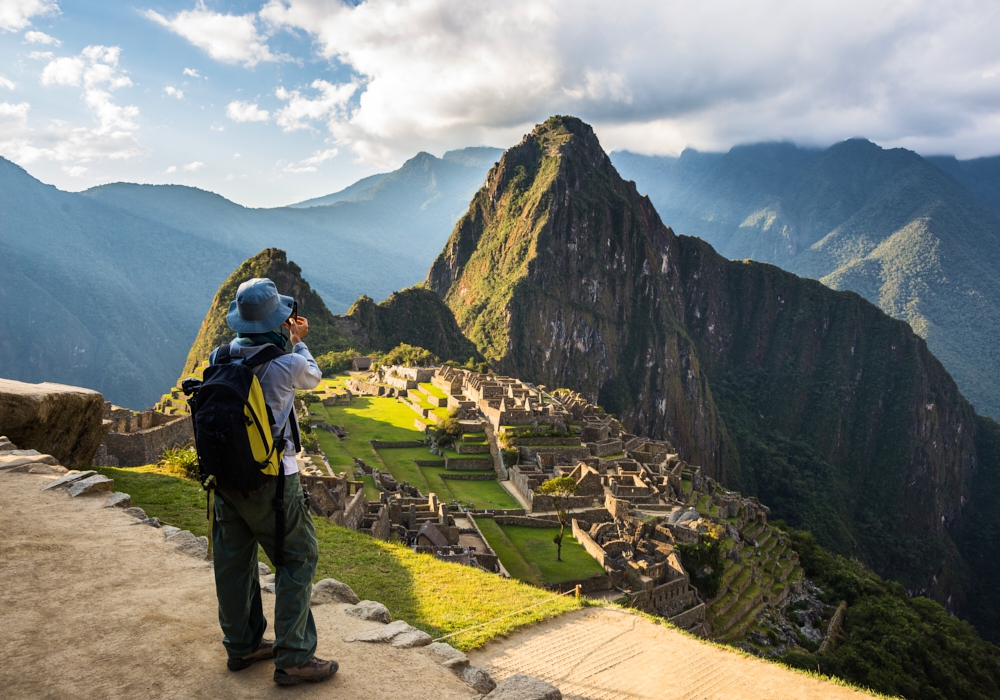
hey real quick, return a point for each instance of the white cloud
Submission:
(192, 72)
(194, 166)
(226, 38)
(112, 136)
(308, 165)
(174, 92)
(6, 82)
(74, 170)
(655, 75)
(329, 106)
(15, 15)
(171, 169)
(40, 55)
(246, 112)
(237, 155)
(34, 37)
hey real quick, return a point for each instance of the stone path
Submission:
(605, 654)
(96, 607)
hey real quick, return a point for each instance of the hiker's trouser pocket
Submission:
(240, 524)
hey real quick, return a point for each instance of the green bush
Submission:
(335, 362)
(408, 356)
(183, 458)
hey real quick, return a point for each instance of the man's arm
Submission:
(308, 374)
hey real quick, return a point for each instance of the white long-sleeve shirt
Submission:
(279, 379)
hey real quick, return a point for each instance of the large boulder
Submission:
(521, 687)
(63, 421)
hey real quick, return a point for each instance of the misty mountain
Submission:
(918, 237)
(107, 288)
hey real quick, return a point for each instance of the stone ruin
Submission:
(135, 438)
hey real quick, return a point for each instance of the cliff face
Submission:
(832, 413)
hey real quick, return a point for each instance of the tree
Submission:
(559, 489)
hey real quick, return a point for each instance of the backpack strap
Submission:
(265, 354)
(223, 355)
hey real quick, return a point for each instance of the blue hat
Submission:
(258, 307)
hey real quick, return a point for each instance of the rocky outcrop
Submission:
(63, 421)
(330, 590)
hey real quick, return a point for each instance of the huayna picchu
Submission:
(816, 402)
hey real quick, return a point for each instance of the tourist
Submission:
(261, 317)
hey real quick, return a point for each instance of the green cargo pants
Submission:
(240, 523)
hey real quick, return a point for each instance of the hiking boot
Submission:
(311, 671)
(264, 651)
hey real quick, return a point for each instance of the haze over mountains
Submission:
(918, 237)
(106, 288)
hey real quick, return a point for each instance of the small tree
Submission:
(559, 489)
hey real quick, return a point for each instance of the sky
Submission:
(276, 101)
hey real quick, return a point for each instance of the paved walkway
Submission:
(605, 654)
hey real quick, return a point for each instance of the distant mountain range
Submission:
(920, 237)
(106, 288)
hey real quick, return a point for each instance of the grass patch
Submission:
(535, 560)
(163, 493)
(432, 390)
(483, 495)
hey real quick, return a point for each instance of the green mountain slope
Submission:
(832, 413)
(96, 297)
(413, 316)
(887, 224)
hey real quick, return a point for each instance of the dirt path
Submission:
(95, 607)
(604, 653)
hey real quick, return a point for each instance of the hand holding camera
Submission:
(299, 327)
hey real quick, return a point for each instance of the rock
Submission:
(44, 469)
(187, 543)
(269, 578)
(330, 590)
(380, 634)
(448, 656)
(98, 483)
(411, 638)
(521, 687)
(20, 458)
(264, 570)
(68, 478)
(64, 421)
(268, 588)
(136, 512)
(169, 530)
(478, 679)
(118, 500)
(370, 610)
(152, 522)
(6, 445)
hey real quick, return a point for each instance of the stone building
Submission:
(135, 438)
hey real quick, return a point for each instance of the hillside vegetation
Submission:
(414, 316)
(887, 224)
(813, 400)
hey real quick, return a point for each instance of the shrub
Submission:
(183, 459)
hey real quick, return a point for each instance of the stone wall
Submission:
(146, 446)
(379, 444)
(524, 521)
(486, 476)
(593, 549)
(355, 511)
(689, 618)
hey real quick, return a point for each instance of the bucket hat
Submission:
(258, 308)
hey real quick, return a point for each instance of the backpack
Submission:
(232, 431)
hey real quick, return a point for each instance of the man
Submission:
(260, 316)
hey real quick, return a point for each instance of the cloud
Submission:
(174, 92)
(112, 136)
(194, 167)
(308, 165)
(329, 106)
(226, 38)
(40, 55)
(655, 75)
(192, 72)
(40, 38)
(246, 112)
(6, 82)
(74, 170)
(15, 15)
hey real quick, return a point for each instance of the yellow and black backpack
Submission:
(232, 428)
